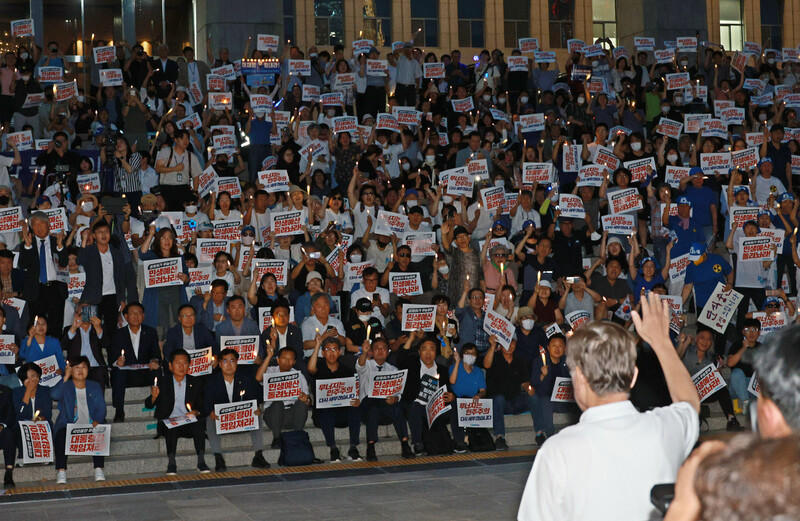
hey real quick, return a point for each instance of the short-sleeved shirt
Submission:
(702, 198)
(468, 384)
(705, 277)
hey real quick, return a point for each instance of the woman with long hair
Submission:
(162, 303)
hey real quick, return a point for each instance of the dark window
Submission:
(470, 23)
(288, 20)
(328, 22)
(378, 22)
(771, 24)
(562, 15)
(425, 22)
(517, 21)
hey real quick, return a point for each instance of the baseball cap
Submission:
(524, 312)
(684, 200)
(526, 224)
(613, 240)
(764, 160)
(366, 117)
(739, 188)
(764, 212)
(696, 251)
(502, 221)
(650, 259)
(412, 191)
(408, 45)
(544, 284)
(695, 170)
(363, 305)
(313, 275)
(785, 196)
(770, 300)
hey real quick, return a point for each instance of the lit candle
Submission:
(544, 360)
(155, 382)
(467, 278)
(188, 407)
(369, 330)
(123, 353)
(317, 330)
(241, 393)
(36, 414)
(538, 277)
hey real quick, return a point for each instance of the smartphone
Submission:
(314, 255)
(88, 312)
(376, 296)
(773, 292)
(573, 280)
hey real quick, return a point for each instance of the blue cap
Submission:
(739, 188)
(42, 199)
(696, 251)
(684, 200)
(649, 259)
(764, 160)
(412, 191)
(785, 196)
(528, 223)
(502, 221)
(770, 300)
(695, 170)
(764, 212)
(248, 228)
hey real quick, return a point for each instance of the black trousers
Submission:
(108, 312)
(377, 409)
(374, 101)
(7, 444)
(406, 95)
(60, 442)
(785, 263)
(49, 304)
(196, 431)
(757, 295)
(122, 379)
(723, 396)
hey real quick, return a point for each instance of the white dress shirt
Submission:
(366, 375)
(107, 262)
(135, 337)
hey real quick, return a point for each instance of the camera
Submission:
(57, 143)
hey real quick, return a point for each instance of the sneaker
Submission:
(460, 447)
(172, 469)
(119, 416)
(219, 463)
(540, 438)
(336, 456)
(259, 462)
(99, 475)
(419, 448)
(353, 454)
(500, 443)
(61, 479)
(734, 425)
(736, 408)
(371, 456)
(203, 468)
(405, 450)
(276, 443)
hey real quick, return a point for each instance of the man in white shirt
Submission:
(378, 296)
(320, 323)
(178, 171)
(290, 414)
(605, 466)
(764, 184)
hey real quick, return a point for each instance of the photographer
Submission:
(59, 159)
(124, 166)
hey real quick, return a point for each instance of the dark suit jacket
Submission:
(160, 74)
(7, 418)
(44, 403)
(73, 347)
(408, 359)
(89, 258)
(29, 261)
(148, 346)
(294, 339)
(67, 397)
(206, 316)
(216, 392)
(166, 396)
(202, 338)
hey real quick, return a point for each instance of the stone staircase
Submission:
(134, 452)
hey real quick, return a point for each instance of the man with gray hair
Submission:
(605, 466)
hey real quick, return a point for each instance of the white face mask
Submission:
(523, 99)
(430, 159)
(356, 257)
(770, 60)
(664, 110)
(636, 146)
(469, 359)
(595, 63)
(487, 97)
(192, 208)
(411, 203)
(581, 99)
(364, 318)
(406, 166)
(528, 324)
(501, 100)
(26, 77)
(672, 158)
(444, 270)
(23, 56)
(331, 112)
(684, 63)
(500, 183)
(447, 199)
(247, 240)
(678, 100)
(87, 206)
(313, 55)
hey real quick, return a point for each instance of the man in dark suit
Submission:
(229, 386)
(9, 272)
(211, 307)
(7, 375)
(178, 394)
(110, 282)
(87, 338)
(7, 423)
(133, 345)
(165, 71)
(37, 257)
(283, 334)
(186, 334)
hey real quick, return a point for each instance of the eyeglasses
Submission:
(476, 297)
(187, 316)
(403, 255)
(330, 348)
(751, 330)
(248, 234)
(773, 305)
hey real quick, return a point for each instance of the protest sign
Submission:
(220, 101)
(7, 356)
(675, 303)
(405, 284)
(677, 81)
(562, 390)
(111, 78)
(385, 385)
(741, 214)
(707, 381)
(345, 124)
(227, 72)
(22, 28)
(459, 182)
(720, 308)
(199, 361)
(57, 217)
(207, 249)
(674, 174)
(693, 122)
(499, 326)
(265, 317)
(407, 115)
(10, 219)
(436, 405)
(623, 201)
(463, 105)
(299, 67)
(49, 366)
(591, 175)
(639, 168)
(236, 417)
(23, 140)
(605, 157)
(770, 322)
(77, 281)
(387, 122)
(51, 75)
(493, 197)
(755, 248)
(571, 206)
(433, 70)
(572, 157)
(224, 144)
(230, 229)
(389, 223)
(669, 128)
(578, 318)
(310, 93)
(533, 173)
(245, 345)
(617, 224)
(664, 56)
(544, 57)
(177, 421)
(286, 223)
(644, 43)
(336, 392)
(37, 442)
(278, 267)
(87, 440)
(528, 44)
(418, 317)
(475, 414)
(714, 128)
(531, 122)
(267, 42)
(353, 273)
(421, 243)
(745, 159)
(274, 180)
(377, 68)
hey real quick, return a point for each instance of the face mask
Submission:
(672, 158)
(501, 100)
(664, 110)
(192, 208)
(444, 270)
(80, 99)
(364, 318)
(684, 63)
(447, 199)
(406, 166)
(4, 199)
(356, 257)
(430, 159)
(581, 99)
(595, 63)
(331, 112)
(313, 54)
(770, 60)
(678, 100)
(26, 77)
(23, 56)
(528, 324)
(411, 203)
(486, 97)
(469, 359)
(87, 206)
(523, 99)
(247, 240)
(636, 147)
(500, 183)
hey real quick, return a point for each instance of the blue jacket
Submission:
(68, 407)
(202, 338)
(32, 353)
(44, 403)
(205, 316)
(225, 328)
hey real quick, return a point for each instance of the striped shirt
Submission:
(125, 182)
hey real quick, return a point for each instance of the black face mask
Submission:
(382, 244)
(222, 164)
(4, 199)
(151, 93)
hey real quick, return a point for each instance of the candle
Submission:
(155, 382)
(36, 414)
(241, 393)
(544, 360)
(369, 330)
(317, 330)
(188, 407)
(538, 277)
(123, 353)
(467, 278)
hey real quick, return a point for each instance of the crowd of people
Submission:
(503, 187)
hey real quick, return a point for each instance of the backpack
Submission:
(296, 449)
(480, 440)
(437, 440)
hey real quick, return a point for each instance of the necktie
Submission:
(380, 368)
(42, 263)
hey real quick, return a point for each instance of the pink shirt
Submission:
(491, 277)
